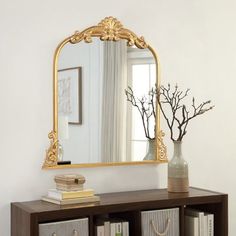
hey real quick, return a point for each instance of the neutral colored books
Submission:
(72, 201)
(113, 227)
(200, 215)
(61, 195)
(210, 224)
(125, 228)
(205, 225)
(107, 228)
(100, 230)
(191, 226)
(118, 229)
(198, 219)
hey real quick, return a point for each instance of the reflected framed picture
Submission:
(70, 94)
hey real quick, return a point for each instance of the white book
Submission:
(205, 225)
(119, 229)
(107, 228)
(210, 224)
(72, 201)
(100, 230)
(191, 226)
(62, 195)
(200, 215)
(125, 228)
(113, 229)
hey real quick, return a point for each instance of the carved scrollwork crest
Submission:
(109, 29)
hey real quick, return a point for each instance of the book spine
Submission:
(54, 195)
(210, 225)
(205, 226)
(81, 200)
(201, 224)
(84, 193)
(196, 227)
(191, 226)
(118, 229)
(100, 230)
(113, 229)
(125, 228)
(107, 228)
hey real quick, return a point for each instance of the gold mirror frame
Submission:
(109, 29)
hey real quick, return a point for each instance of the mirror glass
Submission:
(97, 84)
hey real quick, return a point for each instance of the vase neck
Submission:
(151, 144)
(177, 148)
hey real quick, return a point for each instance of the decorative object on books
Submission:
(70, 190)
(106, 73)
(76, 179)
(178, 117)
(69, 182)
(69, 187)
(146, 107)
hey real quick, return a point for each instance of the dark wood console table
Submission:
(26, 216)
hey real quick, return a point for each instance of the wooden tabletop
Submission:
(122, 199)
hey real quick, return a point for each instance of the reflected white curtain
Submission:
(113, 127)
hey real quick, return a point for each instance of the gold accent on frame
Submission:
(51, 153)
(109, 29)
(161, 147)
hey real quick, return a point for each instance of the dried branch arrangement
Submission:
(179, 114)
(146, 107)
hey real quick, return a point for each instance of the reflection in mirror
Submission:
(96, 123)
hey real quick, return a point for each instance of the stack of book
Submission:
(112, 227)
(70, 190)
(198, 223)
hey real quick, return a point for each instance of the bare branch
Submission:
(174, 100)
(143, 106)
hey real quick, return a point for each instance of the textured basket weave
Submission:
(77, 227)
(160, 222)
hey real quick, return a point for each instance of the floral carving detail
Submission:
(109, 29)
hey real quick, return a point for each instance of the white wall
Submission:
(196, 45)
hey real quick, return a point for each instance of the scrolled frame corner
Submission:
(161, 147)
(52, 152)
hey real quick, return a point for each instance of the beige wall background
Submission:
(196, 42)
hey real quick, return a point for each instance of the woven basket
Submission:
(160, 222)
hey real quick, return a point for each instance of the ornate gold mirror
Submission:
(104, 101)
